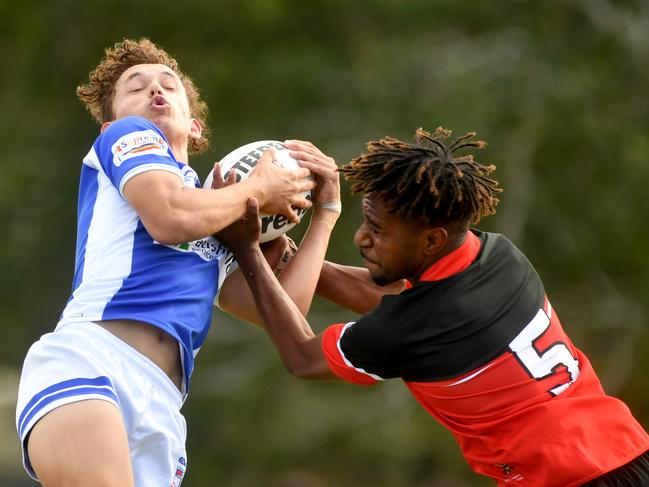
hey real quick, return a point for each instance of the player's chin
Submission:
(378, 277)
(162, 119)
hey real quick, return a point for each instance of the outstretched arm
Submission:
(299, 348)
(347, 286)
(352, 288)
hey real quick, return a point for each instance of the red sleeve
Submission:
(338, 364)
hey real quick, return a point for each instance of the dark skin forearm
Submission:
(352, 288)
(299, 278)
(299, 348)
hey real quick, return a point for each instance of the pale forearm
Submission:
(195, 213)
(173, 213)
(301, 276)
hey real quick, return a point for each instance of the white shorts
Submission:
(80, 361)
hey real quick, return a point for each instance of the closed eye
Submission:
(372, 225)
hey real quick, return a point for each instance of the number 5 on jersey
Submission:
(544, 363)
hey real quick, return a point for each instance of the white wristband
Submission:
(331, 206)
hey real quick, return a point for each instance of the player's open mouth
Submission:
(159, 101)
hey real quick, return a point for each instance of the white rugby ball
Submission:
(243, 160)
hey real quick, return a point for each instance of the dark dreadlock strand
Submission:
(426, 181)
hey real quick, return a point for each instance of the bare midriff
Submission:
(157, 345)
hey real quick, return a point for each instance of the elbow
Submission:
(169, 239)
(299, 372)
(168, 229)
(166, 236)
(306, 370)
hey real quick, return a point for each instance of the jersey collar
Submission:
(455, 262)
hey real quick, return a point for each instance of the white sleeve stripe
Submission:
(347, 362)
(466, 379)
(144, 168)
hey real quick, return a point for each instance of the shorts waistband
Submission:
(140, 362)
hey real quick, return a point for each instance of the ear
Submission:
(434, 240)
(104, 126)
(196, 129)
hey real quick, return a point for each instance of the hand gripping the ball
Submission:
(282, 190)
(326, 195)
(279, 184)
(242, 235)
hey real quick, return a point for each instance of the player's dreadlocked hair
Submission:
(426, 181)
(97, 94)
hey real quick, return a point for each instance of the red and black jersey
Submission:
(479, 346)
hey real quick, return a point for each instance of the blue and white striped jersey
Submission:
(120, 271)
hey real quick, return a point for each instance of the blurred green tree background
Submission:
(558, 89)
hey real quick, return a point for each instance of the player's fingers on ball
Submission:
(301, 173)
(312, 167)
(268, 155)
(253, 206)
(321, 170)
(305, 185)
(232, 177)
(291, 215)
(320, 160)
(304, 147)
(291, 143)
(302, 156)
(217, 177)
(306, 153)
(300, 202)
(300, 143)
(318, 165)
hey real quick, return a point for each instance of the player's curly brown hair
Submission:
(98, 93)
(425, 181)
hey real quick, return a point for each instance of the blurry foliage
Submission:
(558, 89)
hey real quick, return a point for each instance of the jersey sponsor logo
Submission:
(179, 474)
(190, 178)
(229, 263)
(207, 248)
(133, 144)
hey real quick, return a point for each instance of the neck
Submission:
(454, 242)
(180, 152)
(179, 148)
